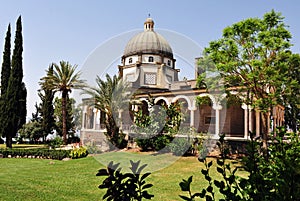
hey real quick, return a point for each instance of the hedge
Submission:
(35, 153)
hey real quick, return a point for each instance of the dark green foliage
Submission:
(22, 105)
(16, 91)
(31, 130)
(46, 108)
(274, 179)
(292, 99)
(125, 186)
(70, 126)
(5, 74)
(6, 63)
(41, 153)
(155, 143)
(56, 142)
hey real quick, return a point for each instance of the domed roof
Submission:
(148, 42)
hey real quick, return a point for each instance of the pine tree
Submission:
(47, 109)
(16, 91)
(5, 74)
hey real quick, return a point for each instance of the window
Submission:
(169, 78)
(150, 59)
(150, 78)
(209, 120)
(169, 63)
(130, 60)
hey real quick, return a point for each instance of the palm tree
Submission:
(110, 97)
(63, 79)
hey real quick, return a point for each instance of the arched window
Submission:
(130, 60)
(150, 59)
(169, 63)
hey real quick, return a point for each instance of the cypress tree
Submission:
(47, 109)
(5, 74)
(16, 91)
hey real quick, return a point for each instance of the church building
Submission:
(149, 66)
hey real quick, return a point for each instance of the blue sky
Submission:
(70, 30)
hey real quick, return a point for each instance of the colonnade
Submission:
(251, 120)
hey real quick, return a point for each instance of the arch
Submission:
(150, 59)
(161, 98)
(176, 98)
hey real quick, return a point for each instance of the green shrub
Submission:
(79, 152)
(44, 153)
(181, 146)
(56, 142)
(93, 149)
(155, 143)
(125, 187)
(272, 177)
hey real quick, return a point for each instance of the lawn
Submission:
(38, 179)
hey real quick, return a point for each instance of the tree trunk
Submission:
(8, 141)
(265, 133)
(64, 116)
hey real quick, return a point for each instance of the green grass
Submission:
(37, 179)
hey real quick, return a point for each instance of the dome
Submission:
(148, 42)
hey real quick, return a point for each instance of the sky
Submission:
(55, 30)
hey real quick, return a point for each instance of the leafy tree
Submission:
(31, 130)
(5, 74)
(64, 79)
(253, 56)
(110, 97)
(47, 109)
(292, 100)
(16, 90)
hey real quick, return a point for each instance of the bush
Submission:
(181, 146)
(155, 143)
(125, 187)
(43, 153)
(79, 152)
(271, 177)
(93, 149)
(56, 142)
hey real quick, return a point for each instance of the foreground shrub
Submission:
(125, 187)
(273, 178)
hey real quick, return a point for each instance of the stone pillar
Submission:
(257, 123)
(94, 118)
(250, 120)
(192, 117)
(246, 125)
(247, 119)
(217, 123)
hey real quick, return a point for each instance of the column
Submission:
(257, 123)
(94, 118)
(192, 117)
(217, 123)
(250, 120)
(247, 119)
